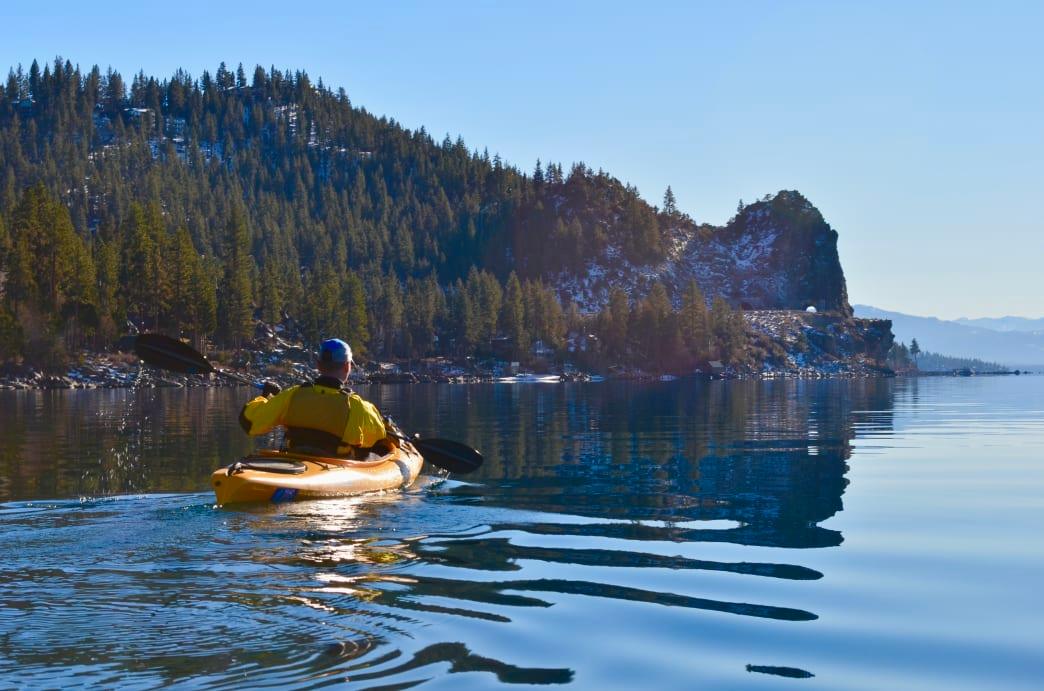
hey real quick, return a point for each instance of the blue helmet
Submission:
(335, 350)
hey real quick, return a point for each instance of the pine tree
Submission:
(390, 315)
(324, 314)
(235, 311)
(471, 308)
(182, 272)
(670, 204)
(21, 287)
(80, 307)
(204, 315)
(693, 317)
(425, 304)
(354, 303)
(555, 322)
(106, 260)
(46, 226)
(490, 298)
(617, 317)
(654, 314)
(160, 268)
(271, 294)
(513, 316)
(138, 272)
(720, 314)
(728, 330)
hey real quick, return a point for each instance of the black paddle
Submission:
(174, 355)
(446, 454)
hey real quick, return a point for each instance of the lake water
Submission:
(828, 534)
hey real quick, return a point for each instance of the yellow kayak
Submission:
(279, 476)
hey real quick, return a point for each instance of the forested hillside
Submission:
(195, 206)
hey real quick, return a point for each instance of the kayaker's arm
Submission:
(263, 414)
(365, 424)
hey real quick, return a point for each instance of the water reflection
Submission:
(115, 441)
(769, 456)
(661, 497)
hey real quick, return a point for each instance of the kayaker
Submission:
(322, 417)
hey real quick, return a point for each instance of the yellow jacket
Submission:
(319, 416)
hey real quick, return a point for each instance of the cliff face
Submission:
(778, 254)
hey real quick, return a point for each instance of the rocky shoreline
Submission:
(121, 371)
(786, 344)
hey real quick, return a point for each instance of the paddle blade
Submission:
(449, 455)
(170, 354)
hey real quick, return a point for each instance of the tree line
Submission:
(904, 358)
(61, 293)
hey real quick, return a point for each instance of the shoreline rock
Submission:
(795, 345)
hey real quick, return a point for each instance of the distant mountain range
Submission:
(1005, 323)
(1012, 341)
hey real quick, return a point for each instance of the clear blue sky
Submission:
(918, 131)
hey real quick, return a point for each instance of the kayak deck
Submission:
(273, 475)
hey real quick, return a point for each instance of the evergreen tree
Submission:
(323, 312)
(139, 271)
(670, 204)
(654, 319)
(106, 261)
(80, 307)
(490, 298)
(46, 226)
(513, 316)
(20, 287)
(354, 304)
(471, 307)
(899, 357)
(425, 304)
(615, 331)
(728, 331)
(271, 294)
(693, 319)
(235, 311)
(182, 274)
(204, 317)
(389, 317)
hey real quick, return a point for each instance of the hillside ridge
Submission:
(288, 199)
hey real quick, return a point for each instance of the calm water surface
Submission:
(836, 535)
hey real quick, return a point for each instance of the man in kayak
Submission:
(321, 417)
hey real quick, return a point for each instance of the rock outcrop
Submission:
(774, 260)
(776, 254)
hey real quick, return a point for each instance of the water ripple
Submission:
(617, 537)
